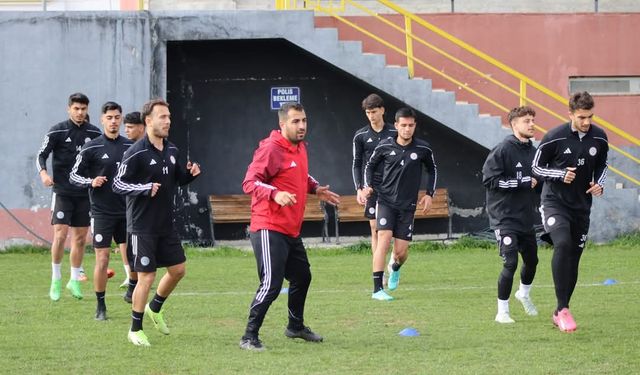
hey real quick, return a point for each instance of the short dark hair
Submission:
(147, 108)
(133, 118)
(78, 97)
(518, 112)
(111, 106)
(283, 112)
(581, 100)
(405, 112)
(372, 101)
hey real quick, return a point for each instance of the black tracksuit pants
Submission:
(279, 257)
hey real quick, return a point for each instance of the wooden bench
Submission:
(349, 210)
(236, 208)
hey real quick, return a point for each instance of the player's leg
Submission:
(508, 247)
(133, 275)
(579, 233)
(143, 249)
(298, 272)
(60, 224)
(79, 223)
(100, 281)
(562, 268)
(402, 235)
(529, 251)
(125, 263)
(271, 250)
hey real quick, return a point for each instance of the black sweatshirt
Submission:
(101, 157)
(401, 172)
(142, 165)
(506, 174)
(561, 148)
(65, 139)
(364, 142)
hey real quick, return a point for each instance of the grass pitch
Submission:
(447, 294)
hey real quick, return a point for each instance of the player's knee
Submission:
(510, 266)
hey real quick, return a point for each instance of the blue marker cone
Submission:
(284, 290)
(609, 282)
(409, 332)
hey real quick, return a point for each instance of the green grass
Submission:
(447, 293)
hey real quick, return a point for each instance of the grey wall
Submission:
(46, 57)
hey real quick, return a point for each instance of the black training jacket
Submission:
(562, 147)
(101, 157)
(364, 142)
(142, 165)
(506, 174)
(401, 172)
(65, 140)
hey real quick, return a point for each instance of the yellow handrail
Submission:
(408, 53)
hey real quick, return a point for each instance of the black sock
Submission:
(136, 321)
(377, 281)
(156, 303)
(132, 286)
(396, 266)
(100, 298)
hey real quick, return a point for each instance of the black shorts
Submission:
(561, 219)
(103, 229)
(71, 211)
(398, 221)
(370, 206)
(514, 242)
(151, 252)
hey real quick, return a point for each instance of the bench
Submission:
(236, 208)
(349, 210)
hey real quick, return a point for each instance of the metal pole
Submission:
(453, 10)
(595, 2)
(44, 5)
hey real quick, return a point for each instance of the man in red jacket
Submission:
(278, 180)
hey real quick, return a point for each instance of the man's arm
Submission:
(185, 175)
(43, 154)
(544, 155)
(259, 173)
(78, 175)
(358, 161)
(125, 182)
(432, 171)
(600, 171)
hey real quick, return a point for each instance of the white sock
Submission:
(524, 289)
(503, 306)
(75, 273)
(56, 274)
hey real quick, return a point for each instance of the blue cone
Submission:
(609, 282)
(284, 290)
(409, 332)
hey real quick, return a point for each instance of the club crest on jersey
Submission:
(593, 151)
(87, 140)
(153, 162)
(413, 156)
(173, 159)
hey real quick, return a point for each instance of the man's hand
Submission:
(154, 188)
(367, 191)
(569, 175)
(284, 198)
(326, 195)
(534, 182)
(595, 189)
(45, 178)
(98, 181)
(426, 203)
(193, 168)
(361, 197)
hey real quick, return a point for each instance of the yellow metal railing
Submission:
(333, 7)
